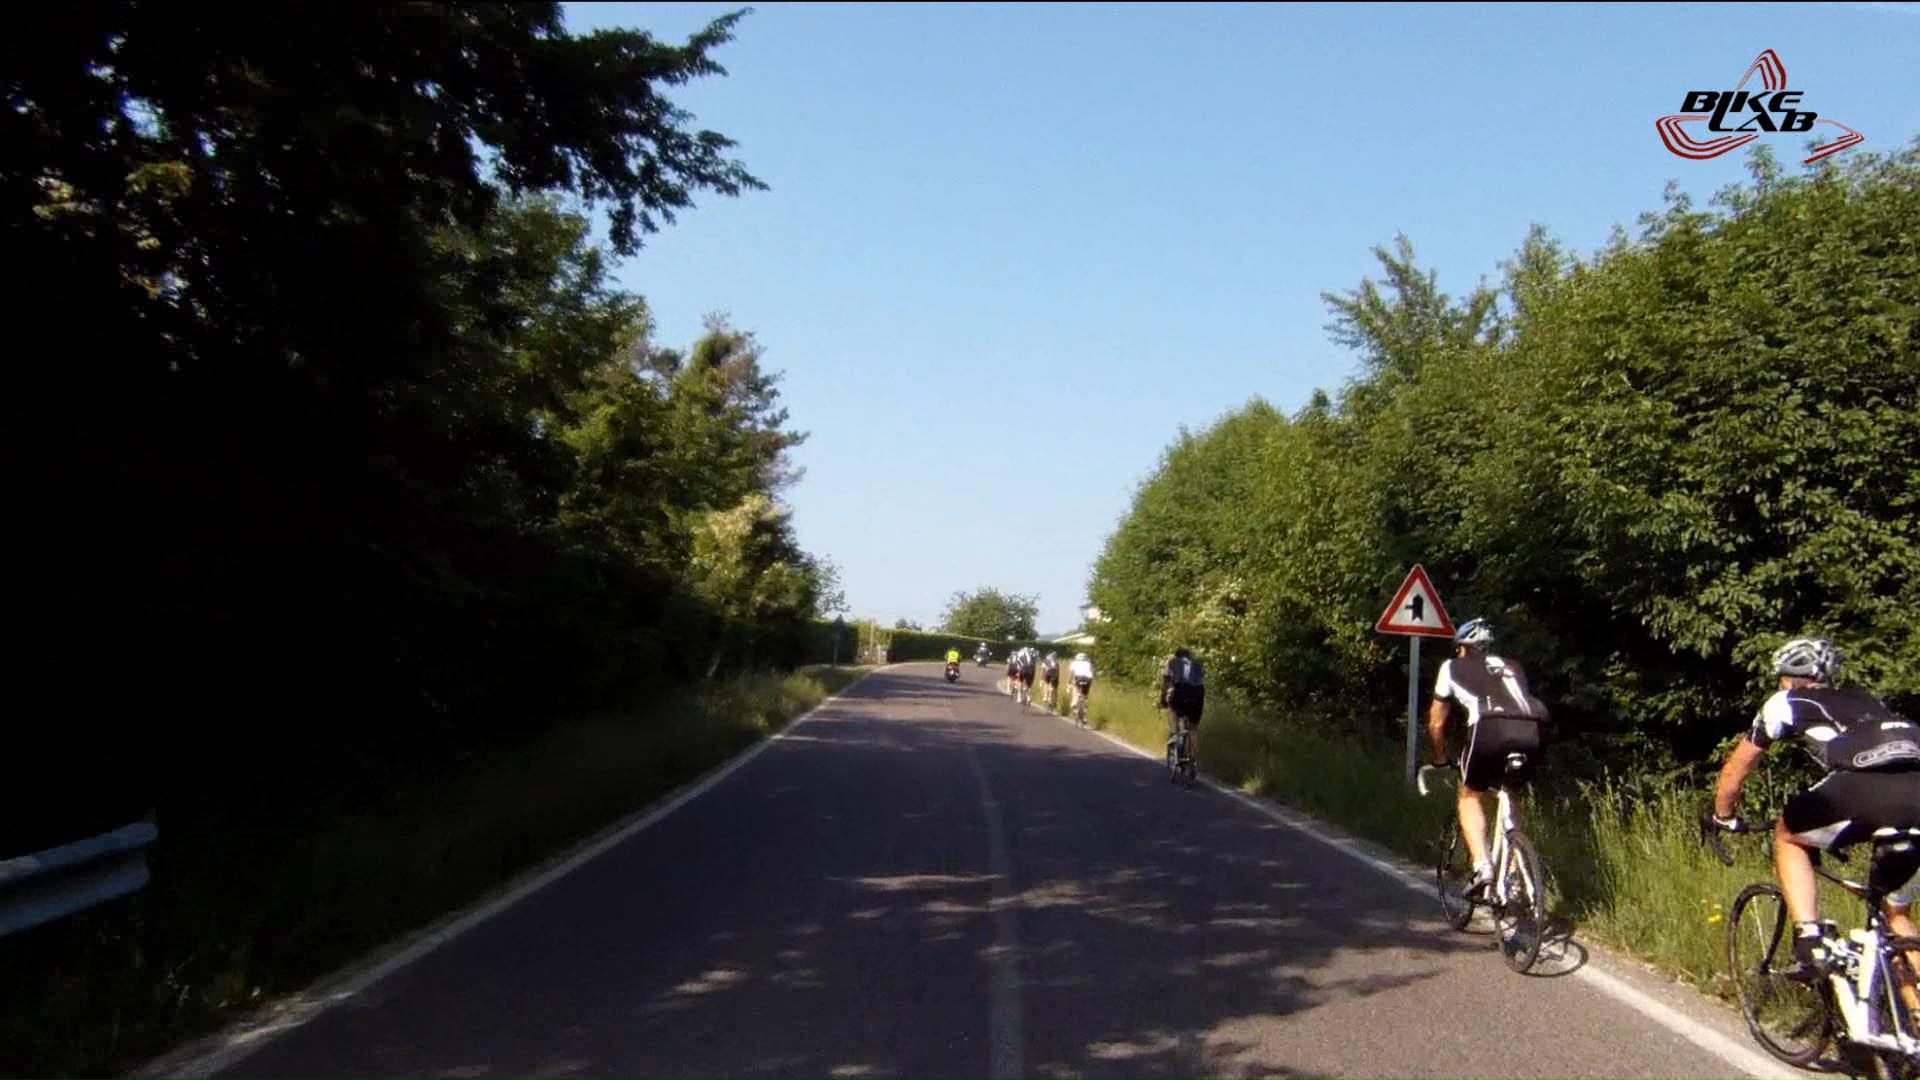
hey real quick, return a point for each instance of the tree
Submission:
(989, 613)
(905, 624)
(752, 574)
(1647, 468)
(338, 312)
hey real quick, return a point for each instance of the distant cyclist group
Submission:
(1024, 664)
(1181, 691)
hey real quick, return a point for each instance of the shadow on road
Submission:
(832, 913)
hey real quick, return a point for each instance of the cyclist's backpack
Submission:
(1497, 686)
(1186, 672)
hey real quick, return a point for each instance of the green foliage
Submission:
(343, 462)
(354, 407)
(991, 614)
(1647, 468)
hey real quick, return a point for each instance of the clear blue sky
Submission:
(1008, 250)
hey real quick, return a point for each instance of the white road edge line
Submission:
(235, 1047)
(1750, 1061)
(1006, 1045)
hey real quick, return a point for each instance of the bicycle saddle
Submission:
(1896, 857)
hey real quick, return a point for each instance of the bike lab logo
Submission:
(1742, 115)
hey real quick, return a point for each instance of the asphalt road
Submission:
(925, 880)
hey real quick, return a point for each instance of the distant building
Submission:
(1082, 638)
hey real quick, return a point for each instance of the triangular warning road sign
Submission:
(1416, 609)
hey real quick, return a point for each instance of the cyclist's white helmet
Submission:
(1079, 656)
(1475, 632)
(1808, 658)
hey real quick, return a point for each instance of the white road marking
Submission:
(1004, 1039)
(232, 1047)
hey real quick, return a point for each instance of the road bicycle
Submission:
(1517, 897)
(1180, 767)
(1855, 1005)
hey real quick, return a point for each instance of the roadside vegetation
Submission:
(1647, 467)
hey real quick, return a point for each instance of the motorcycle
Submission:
(953, 671)
(980, 659)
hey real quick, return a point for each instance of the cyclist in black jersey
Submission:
(1183, 693)
(1872, 758)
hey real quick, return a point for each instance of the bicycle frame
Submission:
(1501, 850)
(1176, 736)
(1866, 974)
(1498, 850)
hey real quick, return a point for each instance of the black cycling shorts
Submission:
(1846, 807)
(1484, 765)
(1187, 702)
(1052, 677)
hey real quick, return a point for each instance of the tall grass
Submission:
(1624, 861)
(227, 923)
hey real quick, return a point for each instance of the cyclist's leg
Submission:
(1793, 866)
(1828, 813)
(1473, 824)
(1899, 911)
(1900, 921)
(1477, 775)
(1192, 727)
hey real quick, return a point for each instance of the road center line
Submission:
(1003, 1014)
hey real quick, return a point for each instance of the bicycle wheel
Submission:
(1451, 872)
(1520, 920)
(1789, 1018)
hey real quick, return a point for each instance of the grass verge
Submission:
(235, 915)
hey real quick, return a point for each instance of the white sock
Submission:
(1483, 868)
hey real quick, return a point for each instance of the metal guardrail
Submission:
(61, 881)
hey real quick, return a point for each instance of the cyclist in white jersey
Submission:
(1503, 719)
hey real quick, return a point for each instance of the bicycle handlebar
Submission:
(1711, 829)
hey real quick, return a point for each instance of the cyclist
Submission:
(1872, 759)
(1013, 675)
(1503, 718)
(1050, 678)
(1028, 658)
(1081, 672)
(1183, 693)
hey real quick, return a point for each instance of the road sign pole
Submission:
(1413, 704)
